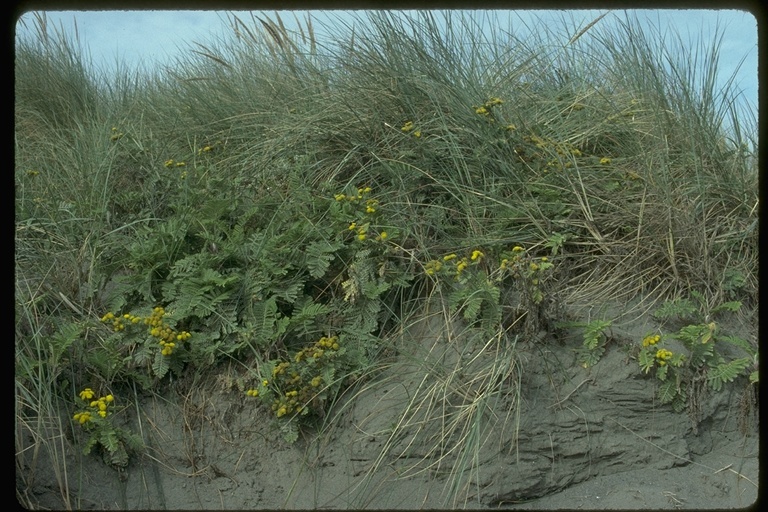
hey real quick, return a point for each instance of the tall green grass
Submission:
(608, 153)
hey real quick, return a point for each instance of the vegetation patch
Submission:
(287, 206)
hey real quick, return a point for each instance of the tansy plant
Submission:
(475, 283)
(167, 341)
(363, 210)
(95, 418)
(527, 269)
(707, 355)
(302, 384)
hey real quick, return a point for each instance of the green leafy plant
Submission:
(694, 309)
(593, 347)
(594, 340)
(95, 417)
(705, 357)
(299, 389)
(160, 349)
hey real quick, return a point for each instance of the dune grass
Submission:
(208, 188)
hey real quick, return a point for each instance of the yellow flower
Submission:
(109, 398)
(651, 340)
(86, 394)
(517, 248)
(103, 414)
(449, 257)
(417, 133)
(353, 226)
(82, 417)
(339, 197)
(476, 254)
(407, 126)
(605, 161)
(361, 237)
(511, 127)
(383, 235)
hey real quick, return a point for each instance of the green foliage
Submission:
(594, 340)
(693, 309)
(705, 353)
(266, 197)
(95, 418)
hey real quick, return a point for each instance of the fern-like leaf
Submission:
(646, 360)
(731, 306)
(320, 254)
(290, 431)
(739, 342)
(472, 307)
(667, 391)
(160, 365)
(726, 372)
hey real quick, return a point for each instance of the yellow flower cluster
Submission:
(288, 376)
(166, 336)
(171, 163)
(361, 193)
(98, 406)
(82, 417)
(118, 322)
(651, 340)
(116, 135)
(409, 128)
(318, 349)
(459, 264)
(663, 355)
(208, 147)
(519, 264)
(371, 205)
(433, 267)
(485, 108)
(512, 263)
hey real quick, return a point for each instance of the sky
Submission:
(153, 38)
